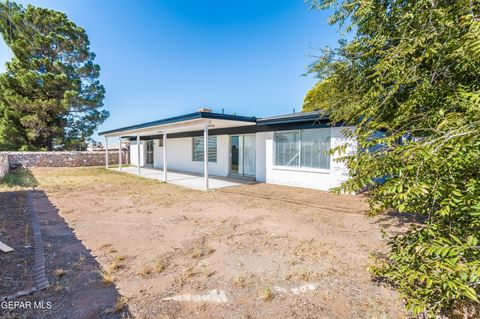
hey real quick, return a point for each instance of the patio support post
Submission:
(120, 153)
(205, 155)
(165, 156)
(138, 154)
(106, 152)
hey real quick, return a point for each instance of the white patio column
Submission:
(165, 156)
(205, 155)
(138, 154)
(106, 152)
(120, 154)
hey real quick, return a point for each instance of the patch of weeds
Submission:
(202, 251)
(105, 246)
(57, 287)
(197, 253)
(117, 263)
(207, 271)
(145, 271)
(240, 281)
(189, 272)
(293, 262)
(209, 250)
(120, 305)
(303, 274)
(305, 249)
(160, 264)
(60, 272)
(267, 294)
(107, 277)
(80, 261)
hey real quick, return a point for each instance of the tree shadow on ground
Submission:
(76, 288)
(394, 219)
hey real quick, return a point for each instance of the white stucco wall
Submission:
(179, 156)
(305, 177)
(133, 153)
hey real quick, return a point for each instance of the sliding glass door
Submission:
(242, 155)
(249, 155)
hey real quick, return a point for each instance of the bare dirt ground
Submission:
(268, 251)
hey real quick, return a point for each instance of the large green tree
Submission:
(50, 95)
(411, 70)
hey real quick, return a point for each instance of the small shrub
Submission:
(267, 294)
(60, 272)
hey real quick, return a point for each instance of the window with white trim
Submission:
(303, 148)
(197, 149)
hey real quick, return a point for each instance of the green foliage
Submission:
(50, 95)
(412, 71)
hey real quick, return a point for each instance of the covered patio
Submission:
(202, 120)
(189, 180)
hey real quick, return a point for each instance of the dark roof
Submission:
(185, 117)
(293, 118)
(279, 119)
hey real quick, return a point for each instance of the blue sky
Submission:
(168, 57)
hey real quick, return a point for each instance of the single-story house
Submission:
(290, 149)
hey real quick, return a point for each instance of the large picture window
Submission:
(303, 148)
(197, 149)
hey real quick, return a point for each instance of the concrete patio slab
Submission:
(189, 180)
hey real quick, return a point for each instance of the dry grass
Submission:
(160, 265)
(145, 271)
(80, 261)
(60, 272)
(303, 274)
(120, 305)
(267, 294)
(240, 281)
(197, 253)
(117, 263)
(107, 277)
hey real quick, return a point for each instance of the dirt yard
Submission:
(253, 251)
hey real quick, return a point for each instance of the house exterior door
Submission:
(149, 153)
(242, 155)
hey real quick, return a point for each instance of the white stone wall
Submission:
(4, 165)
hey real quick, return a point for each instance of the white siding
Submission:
(133, 153)
(260, 156)
(304, 177)
(179, 156)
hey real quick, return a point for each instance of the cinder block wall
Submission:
(64, 159)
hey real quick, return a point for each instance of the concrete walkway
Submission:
(189, 180)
